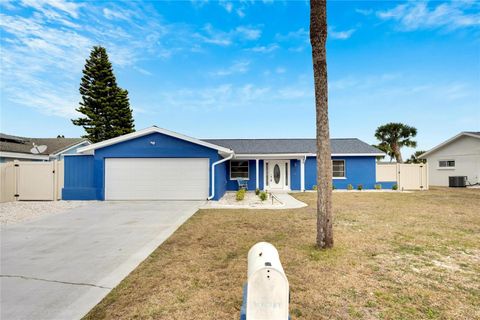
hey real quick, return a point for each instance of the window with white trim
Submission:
(338, 167)
(239, 170)
(446, 164)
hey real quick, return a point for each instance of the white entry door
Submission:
(156, 178)
(277, 175)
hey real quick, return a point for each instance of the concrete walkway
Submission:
(61, 266)
(281, 201)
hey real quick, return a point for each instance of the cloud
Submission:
(365, 12)
(452, 15)
(265, 49)
(394, 90)
(300, 34)
(117, 13)
(226, 5)
(44, 49)
(143, 71)
(297, 40)
(240, 12)
(280, 70)
(249, 33)
(237, 67)
(53, 8)
(340, 35)
(217, 37)
(214, 36)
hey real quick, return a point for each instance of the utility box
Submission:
(266, 294)
(457, 181)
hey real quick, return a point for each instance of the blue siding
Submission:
(220, 180)
(232, 185)
(295, 175)
(155, 145)
(79, 182)
(310, 172)
(358, 170)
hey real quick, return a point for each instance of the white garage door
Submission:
(156, 179)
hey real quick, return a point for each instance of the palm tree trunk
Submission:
(318, 39)
(398, 154)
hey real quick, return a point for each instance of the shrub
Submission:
(240, 194)
(314, 187)
(257, 191)
(394, 187)
(360, 187)
(263, 196)
(349, 187)
(333, 187)
(378, 186)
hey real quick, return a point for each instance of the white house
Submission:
(458, 156)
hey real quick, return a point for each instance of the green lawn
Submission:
(396, 256)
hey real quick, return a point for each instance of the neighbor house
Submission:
(458, 156)
(158, 164)
(37, 149)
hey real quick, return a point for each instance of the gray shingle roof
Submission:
(9, 143)
(474, 133)
(270, 146)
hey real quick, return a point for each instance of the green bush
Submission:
(360, 187)
(333, 187)
(395, 187)
(349, 187)
(257, 191)
(378, 186)
(240, 194)
(314, 187)
(263, 196)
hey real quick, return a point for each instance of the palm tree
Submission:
(396, 136)
(318, 39)
(414, 158)
(385, 148)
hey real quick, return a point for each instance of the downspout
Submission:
(213, 173)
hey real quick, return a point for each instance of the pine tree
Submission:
(105, 105)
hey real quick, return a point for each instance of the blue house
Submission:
(158, 164)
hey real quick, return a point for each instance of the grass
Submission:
(396, 256)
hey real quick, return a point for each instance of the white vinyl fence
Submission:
(407, 176)
(31, 180)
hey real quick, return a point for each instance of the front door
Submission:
(277, 175)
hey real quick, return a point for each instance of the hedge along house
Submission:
(158, 164)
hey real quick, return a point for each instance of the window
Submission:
(338, 168)
(446, 164)
(239, 169)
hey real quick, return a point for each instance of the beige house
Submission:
(20, 148)
(458, 156)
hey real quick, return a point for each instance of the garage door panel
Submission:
(156, 178)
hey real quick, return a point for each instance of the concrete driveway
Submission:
(60, 266)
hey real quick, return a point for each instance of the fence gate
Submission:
(406, 176)
(412, 176)
(35, 180)
(31, 180)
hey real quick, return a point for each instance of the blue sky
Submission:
(235, 69)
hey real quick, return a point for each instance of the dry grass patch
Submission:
(396, 256)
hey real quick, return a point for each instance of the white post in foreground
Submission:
(267, 291)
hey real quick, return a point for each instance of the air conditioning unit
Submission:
(457, 181)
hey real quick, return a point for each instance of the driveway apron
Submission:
(61, 266)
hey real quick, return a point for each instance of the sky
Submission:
(243, 69)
